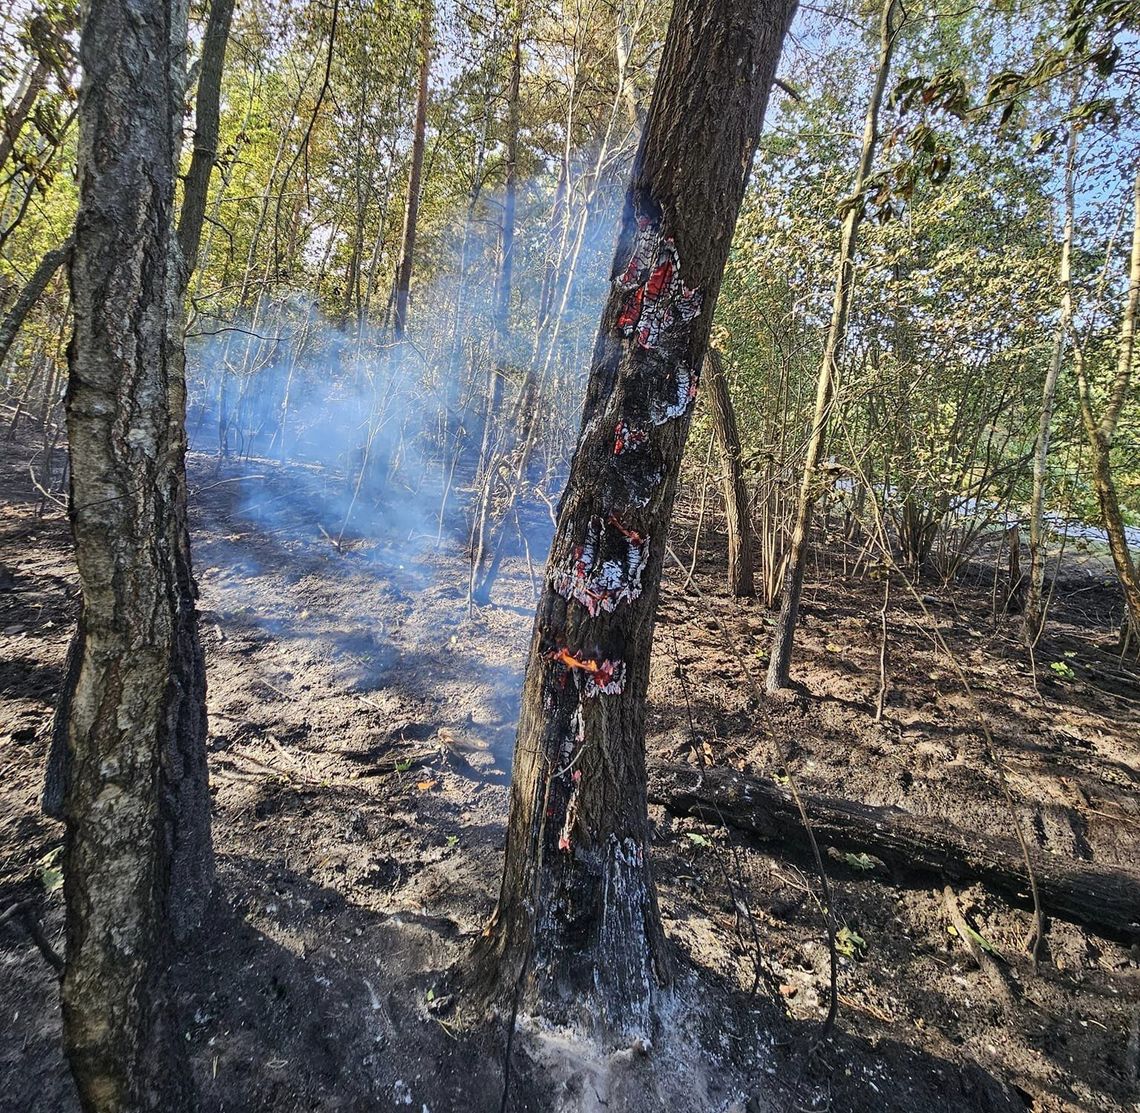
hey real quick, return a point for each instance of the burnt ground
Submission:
(360, 735)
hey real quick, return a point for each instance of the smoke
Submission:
(386, 439)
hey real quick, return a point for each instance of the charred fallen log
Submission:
(1099, 897)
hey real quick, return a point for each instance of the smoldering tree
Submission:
(137, 857)
(577, 925)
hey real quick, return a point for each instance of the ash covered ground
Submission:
(361, 726)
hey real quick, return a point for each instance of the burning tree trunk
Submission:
(577, 923)
(781, 659)
(412, 208)
(1035, 596)
(137, 851)
(740, 567)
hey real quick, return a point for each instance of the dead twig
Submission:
(977, 946)
(22, 913)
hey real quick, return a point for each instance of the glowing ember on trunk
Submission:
(603, 677)
(684, 392)
(627, 438)
(603, 584)
(571, 812)
(658, 298)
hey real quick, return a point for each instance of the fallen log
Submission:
(1100, 897)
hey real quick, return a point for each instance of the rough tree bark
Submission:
(1101, 433)
(741, 579)
(137, 860)
(412, 208)
(1034, 618)
(779, 663)
(577, 933)
(187, 906)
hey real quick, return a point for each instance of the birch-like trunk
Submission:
(137, 861)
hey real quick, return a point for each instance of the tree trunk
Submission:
(30, 294)
(206, 123)
(740, 565)
(1035, 594)
(1104, 897)
(137, 860)
(577, 933)
(412, 208)
(16, 115)
(1100, 434)
(779, 665)
(503, 286)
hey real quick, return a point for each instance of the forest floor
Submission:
(361, 726)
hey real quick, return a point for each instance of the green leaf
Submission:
(700, 840)
(50, 871)
(850, 943)
(860, 861)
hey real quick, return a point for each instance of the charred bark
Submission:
(741, 579)
(577, 934)
(137, 859)
(1101, 897)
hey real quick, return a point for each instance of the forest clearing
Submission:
(569, 555)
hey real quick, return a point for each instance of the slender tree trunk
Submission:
(207, 105)
(136, 804)
(740, 563)
(506, 266)
(16, 114)
(412, 208)
(1100, 434)
(30, 294)
(1035, 594)
(780, 662)
(577, 932)
(502, 308)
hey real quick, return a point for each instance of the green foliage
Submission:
(50, 870)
